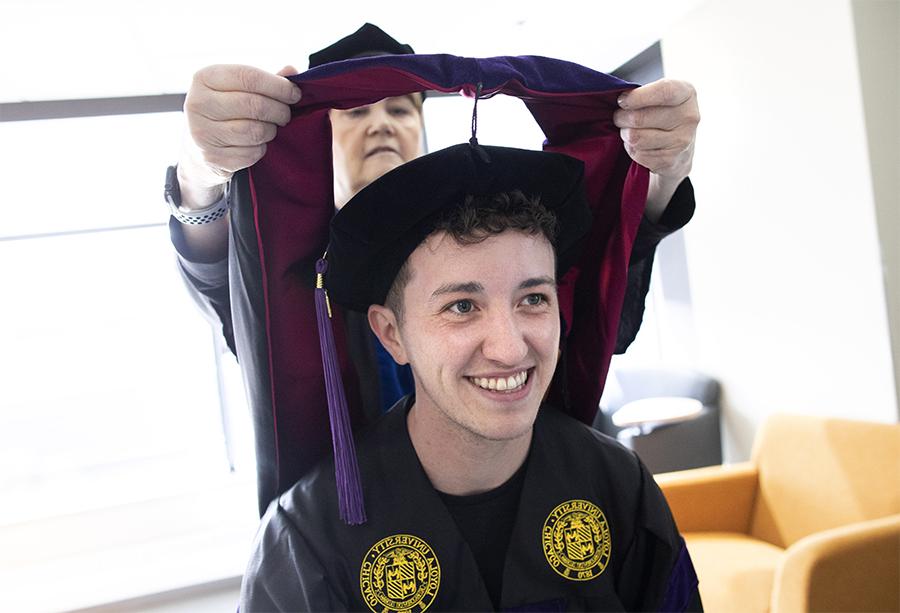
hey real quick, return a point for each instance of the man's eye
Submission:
(534, 300)
(461, 307)
(358, 112)
(399, 111)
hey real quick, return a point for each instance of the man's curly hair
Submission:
(477, 218)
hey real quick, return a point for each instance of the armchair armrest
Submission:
(711, 499)
(851, 568)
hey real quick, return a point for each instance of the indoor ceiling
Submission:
(58, 49)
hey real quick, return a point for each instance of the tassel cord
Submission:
(346, 467)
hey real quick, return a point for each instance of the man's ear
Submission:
(385, 326)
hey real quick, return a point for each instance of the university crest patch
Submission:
(576, 540)
(399, 573)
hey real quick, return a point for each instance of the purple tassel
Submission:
(346, 469)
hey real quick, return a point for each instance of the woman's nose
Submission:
(381, 122)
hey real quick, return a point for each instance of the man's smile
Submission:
(506, 384)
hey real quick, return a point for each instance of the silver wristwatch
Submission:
(192, 217)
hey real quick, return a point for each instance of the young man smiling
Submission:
(480, 326)
(478, 495)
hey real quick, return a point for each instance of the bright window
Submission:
(112, 426)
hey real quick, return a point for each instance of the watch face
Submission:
(173, 192)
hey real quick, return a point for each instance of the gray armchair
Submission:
(691, 442)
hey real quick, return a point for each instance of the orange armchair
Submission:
(810, 523)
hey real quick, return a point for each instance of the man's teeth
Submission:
(502, 384)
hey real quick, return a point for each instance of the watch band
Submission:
(192, 217)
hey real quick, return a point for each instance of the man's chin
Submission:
(504, 433)
(508, 426)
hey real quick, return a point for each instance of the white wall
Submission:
(783, 253)
(877, 25)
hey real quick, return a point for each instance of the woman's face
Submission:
(370, 140)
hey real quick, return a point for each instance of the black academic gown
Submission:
(593, 533)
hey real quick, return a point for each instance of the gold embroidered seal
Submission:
(576, 540)
(399, 573)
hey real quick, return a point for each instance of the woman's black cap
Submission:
(375, 232)
(368, 40)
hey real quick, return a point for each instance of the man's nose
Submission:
(381, 121)
(504, 340)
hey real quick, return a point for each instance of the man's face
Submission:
(480, 329)
(370, 140)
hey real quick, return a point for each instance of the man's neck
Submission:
(459, 462)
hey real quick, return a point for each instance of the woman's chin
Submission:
(380, 165)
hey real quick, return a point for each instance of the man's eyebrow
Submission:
(536, 282)
(470, 287)
(474, 287)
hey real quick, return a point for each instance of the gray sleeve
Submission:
(284, 573)
(207, 284)
(678, 212)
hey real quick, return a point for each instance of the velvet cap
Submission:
(375, 232)
(368, 40)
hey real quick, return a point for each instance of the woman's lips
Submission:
(378, 150)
